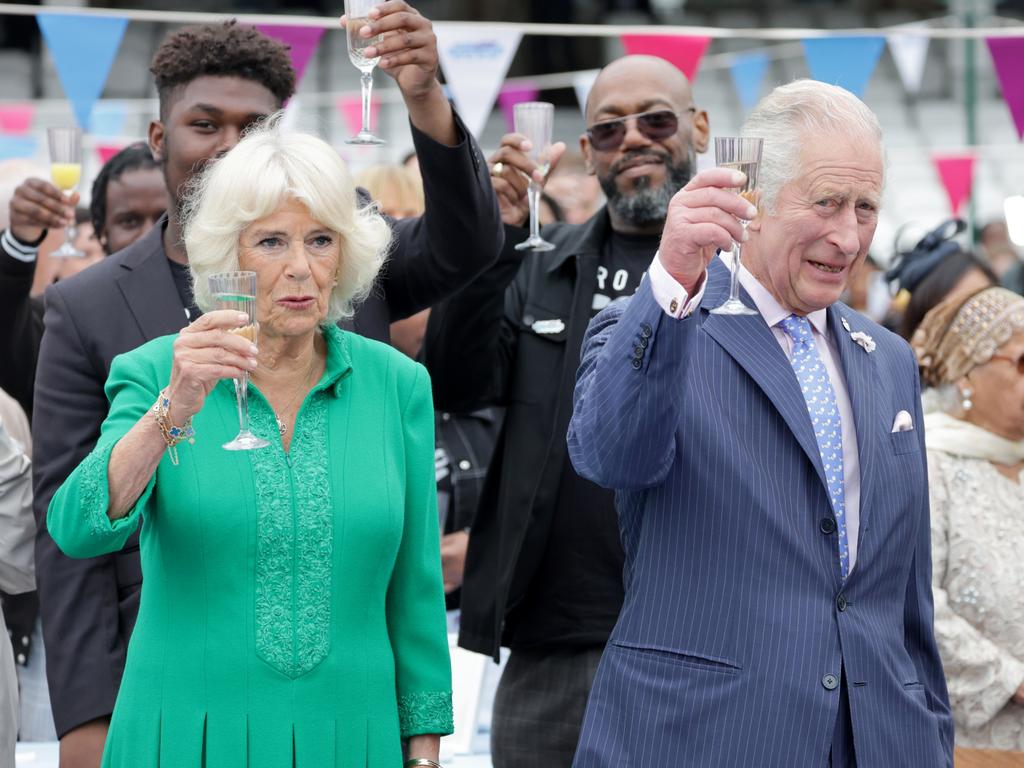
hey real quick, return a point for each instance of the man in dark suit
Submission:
(544, 566)
(213, 82)
(770, 475)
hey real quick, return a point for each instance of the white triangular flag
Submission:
(582, 82)
(910, 53)
(475, 58)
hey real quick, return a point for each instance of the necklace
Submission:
(282, 427)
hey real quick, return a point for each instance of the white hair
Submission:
(264, 170)
(803, 111)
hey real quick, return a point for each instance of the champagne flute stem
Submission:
(534, 200)
(242, 398)
(734, 280)
(366, 84)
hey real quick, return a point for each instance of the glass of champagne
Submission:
(535, 120)
(237, 291)
(357, 16)
(66, 172)
(739, 154)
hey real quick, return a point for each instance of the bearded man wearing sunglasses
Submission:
(544, 567)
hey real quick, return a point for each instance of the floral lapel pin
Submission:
(866, 342)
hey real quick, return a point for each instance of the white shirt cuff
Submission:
(669, 294)
(17, 249)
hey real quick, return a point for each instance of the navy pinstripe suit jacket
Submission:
(736, 623)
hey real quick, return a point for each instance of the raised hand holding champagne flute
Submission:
(357, 16)
(66, 173)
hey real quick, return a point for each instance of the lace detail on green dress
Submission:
(294, 540)
(426, 712)
(93, 474)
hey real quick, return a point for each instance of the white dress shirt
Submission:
(673, 298)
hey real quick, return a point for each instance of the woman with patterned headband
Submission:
(972, 350)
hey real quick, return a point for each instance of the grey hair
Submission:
(265, 169)
(791, 115)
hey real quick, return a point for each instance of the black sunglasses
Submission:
(1017, 361)
(656, 125)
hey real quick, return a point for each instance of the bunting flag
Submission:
(1008, 58)
(301, 41)
(350, 109)
(844, 61)
(12, 147)
(107, 151)
(15, 119)
(510, 96)
(748, 71)
(475, 60)
(109, 118)
(83, 49)
(910, 53)
(684, 52)
(957, 174)
(582, 82)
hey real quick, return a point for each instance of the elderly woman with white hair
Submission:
(292, 612)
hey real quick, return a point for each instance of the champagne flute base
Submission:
(535, 244)
(68, 251)
(365, 139)
(733, 307)
(245, 441)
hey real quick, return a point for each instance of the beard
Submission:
(646, 204)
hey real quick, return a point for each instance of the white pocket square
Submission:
(903, 422)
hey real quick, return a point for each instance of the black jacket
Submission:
(485, 345)
(89, 606)
(21, 328)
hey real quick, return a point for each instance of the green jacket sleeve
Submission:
(415, 601)
(77, 516)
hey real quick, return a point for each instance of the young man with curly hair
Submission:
(214, 81)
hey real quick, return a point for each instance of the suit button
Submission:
(637, 364)
(643, 342)
(645, 331)
(830, 682)
(827, 525)
(841, 603)
(638, 352)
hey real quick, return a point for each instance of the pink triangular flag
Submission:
(107, 151)
(684, 52)
(15, 119)
(302, 41)
(957, 174)
(351, 110)
(1008, 58)
(510, 96)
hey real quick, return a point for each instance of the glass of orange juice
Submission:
(66, 173)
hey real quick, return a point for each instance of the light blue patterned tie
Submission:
(828, 429)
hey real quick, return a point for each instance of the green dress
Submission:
(292, 610)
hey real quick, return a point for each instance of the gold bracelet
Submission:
(172, 435)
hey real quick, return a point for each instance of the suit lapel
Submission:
(750, 342)
(861, 383)
(148, 287)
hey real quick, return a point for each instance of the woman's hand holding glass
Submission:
(703, 218)
(204, 353)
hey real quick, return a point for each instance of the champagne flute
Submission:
(237, 291)
(66, 172)
(534, 120)
(739, 154)
(357, 16)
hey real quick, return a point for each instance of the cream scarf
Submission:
(961, 438)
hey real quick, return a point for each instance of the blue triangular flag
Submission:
(18, 146)
(844, 61)
(748, 71)
(83, 48)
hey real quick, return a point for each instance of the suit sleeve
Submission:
(623, 429)
(78, 599)
(20, 328)
(472, 338)
(77, 517)
(415, 600)
(17, 528)
(459, 235)
(918, 619)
